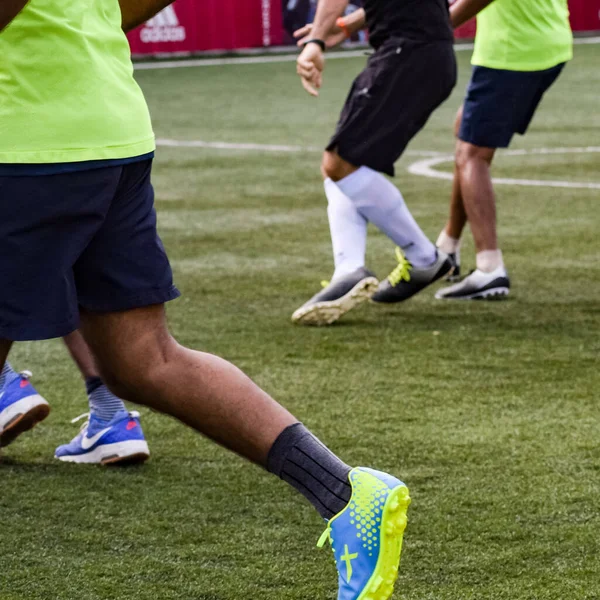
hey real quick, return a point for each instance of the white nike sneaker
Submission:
(478, 286)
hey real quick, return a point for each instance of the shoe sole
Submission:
(22, 416)
(491, 294)
(393, 524)
(132, 452)
(326, 313)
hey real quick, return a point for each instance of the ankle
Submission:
(447, 243)
(489, 260)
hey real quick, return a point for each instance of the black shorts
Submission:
(501, 103)
(84, 239)
(392, 99)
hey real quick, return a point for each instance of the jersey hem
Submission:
(524, 68)
(80, 154)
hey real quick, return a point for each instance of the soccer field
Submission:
(489, 411)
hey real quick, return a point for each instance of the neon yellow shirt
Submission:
(67, 92)
(523, 35)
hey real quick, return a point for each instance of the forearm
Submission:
(356, 21)
(464, 10)
(136, 12)
(328, 11)
(9, 9)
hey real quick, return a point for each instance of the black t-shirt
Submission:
(419, 20)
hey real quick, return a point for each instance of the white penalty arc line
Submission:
(425, 168)
(250, 147)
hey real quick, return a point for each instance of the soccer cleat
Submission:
(478, 286)
(21, 408)
(454, 273)
(405, 280)
(120, 440)
(337, 298)
(366, 537)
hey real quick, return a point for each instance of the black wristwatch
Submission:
(319, 43)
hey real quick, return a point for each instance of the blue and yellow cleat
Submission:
(366, 537)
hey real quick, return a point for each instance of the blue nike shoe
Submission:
(120, 440)
(366, 537)
(21, 408)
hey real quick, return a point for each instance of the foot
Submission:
(454, 273)
(120, 440)
(366, 537)
(478, 286)
(21, 408)
(337, 298)
(405, 280)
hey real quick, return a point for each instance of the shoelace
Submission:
(402, 271)
(85, 416)
(326, 535)
(325, 283)
(26, 375)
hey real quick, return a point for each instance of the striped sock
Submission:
(301, 460)
(6, 371)
(104, 405)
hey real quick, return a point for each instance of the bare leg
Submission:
(458, 215)
(141, 362)
(81, 354)
(5, 346)
(473, 165)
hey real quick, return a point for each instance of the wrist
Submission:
(341, 23)
(318, 42)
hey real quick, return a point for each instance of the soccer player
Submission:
(116, 433)
(78, 229)
(412, 71)
(521, 48)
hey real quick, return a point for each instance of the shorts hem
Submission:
(483, 143)
(33, 333)
(358, 161)
(140, 300)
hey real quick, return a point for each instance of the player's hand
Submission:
(309, 66)
(334, 38)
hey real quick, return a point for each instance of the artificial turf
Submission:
(489, 411)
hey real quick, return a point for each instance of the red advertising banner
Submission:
(192, 26)
(189, 26)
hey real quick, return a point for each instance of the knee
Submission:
(468, 154)
(140, 381)
(334, 167)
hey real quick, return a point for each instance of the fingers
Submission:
(306, 69)
(309, 87)
(303, 31)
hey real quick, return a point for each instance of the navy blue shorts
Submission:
(84, 239)
(501, 103)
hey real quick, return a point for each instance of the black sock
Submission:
(301, 460)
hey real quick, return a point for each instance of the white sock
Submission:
(448, 244)
(380, 202)
(348, 231)
(489, 260)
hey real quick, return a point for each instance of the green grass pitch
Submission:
(489, 411)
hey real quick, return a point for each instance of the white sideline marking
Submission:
(259, 147)
(425, 168)
(261, 60)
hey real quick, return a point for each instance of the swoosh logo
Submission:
(88, 442)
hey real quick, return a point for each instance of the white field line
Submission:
(259, 147)
(425, 168)
(261, 60)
